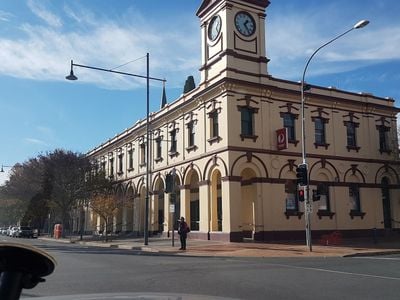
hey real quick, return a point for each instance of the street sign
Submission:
(281, 138)
(172, 208)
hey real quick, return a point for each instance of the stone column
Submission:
(124, 219)
(231, 207)
(204, 198)
(167, 220)
(136, 214)
(153, 212)
(185, 202)
(258, 213)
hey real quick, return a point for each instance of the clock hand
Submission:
(245, 25)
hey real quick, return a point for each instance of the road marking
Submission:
(337, 272)
(381, 258)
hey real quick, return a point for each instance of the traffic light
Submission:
(301, 173)
(306, 87)
(316, 195)
(301, 195)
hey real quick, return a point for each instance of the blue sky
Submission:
(41, 111)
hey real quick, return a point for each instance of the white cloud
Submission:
(44, 53)
(40, 10)
(290, 46)
(79, 14)
(5, 16)
(44, 130)
(35, 141)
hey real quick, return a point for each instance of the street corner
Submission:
(61, 240)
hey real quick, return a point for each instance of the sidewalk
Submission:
(163, 246)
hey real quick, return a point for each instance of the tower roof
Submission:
(163, 98)
(206, 5)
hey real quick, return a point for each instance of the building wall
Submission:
(253, 179)
(254, 173)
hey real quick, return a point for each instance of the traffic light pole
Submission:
(307, 203)
(302, 181)
(307, 214)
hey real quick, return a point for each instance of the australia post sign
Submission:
(281, 139)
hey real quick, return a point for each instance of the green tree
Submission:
(23, 193)
(56, 183)
(72, 180)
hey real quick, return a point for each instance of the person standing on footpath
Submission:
(183, 230)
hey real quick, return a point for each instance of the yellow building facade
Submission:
(231, 182)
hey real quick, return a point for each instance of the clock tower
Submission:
(233, 40)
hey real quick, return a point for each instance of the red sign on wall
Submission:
(281, 139)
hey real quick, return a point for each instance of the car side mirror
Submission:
(22, 266)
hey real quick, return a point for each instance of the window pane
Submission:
(120, 163)
(288, 122)
(323, 204)
(351, 134)
(383, 140)
(142, 153)
(291, 203)
(319, 131)
(173, 141)
(191, 134)
(130, 158)
(111, 166)
(158, 147)
(323, 191)
(354, 194)
(247, 121)
(214, 124)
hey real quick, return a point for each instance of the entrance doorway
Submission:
(161, 211)
(194, 214)
(387, 214)
(194, 209)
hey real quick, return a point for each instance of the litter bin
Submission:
(57, 231)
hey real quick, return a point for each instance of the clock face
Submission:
(214, 28)
(245, 23)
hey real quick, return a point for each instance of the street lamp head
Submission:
(71, 75)
(361, 24)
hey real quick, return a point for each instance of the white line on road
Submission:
(381, 258)
(337, 272)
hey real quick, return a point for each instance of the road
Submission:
(87, 270)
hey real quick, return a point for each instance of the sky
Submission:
(41, 111)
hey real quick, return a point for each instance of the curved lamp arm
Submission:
(358, 25)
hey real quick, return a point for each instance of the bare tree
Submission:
(105, 206)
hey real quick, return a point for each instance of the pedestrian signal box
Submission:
(301, 174)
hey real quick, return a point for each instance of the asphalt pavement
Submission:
(86, 269)
(103, 268)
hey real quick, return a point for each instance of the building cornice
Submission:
(289, 87)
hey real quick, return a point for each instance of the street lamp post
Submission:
(2, 168)
(71, 76)
(307, 202)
